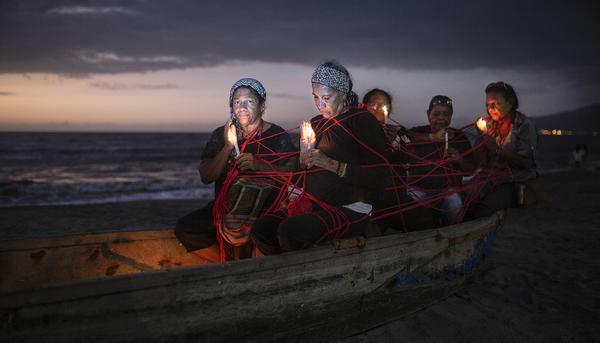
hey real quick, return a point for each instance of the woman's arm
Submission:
(523, 156)
(460, 161)
(279, 149)
(372, 170)
(210, 168)
(515, 160)
(426, 137)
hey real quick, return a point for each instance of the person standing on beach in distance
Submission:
(578, 156)
(339, 187)
(432, 178)
(509, 144)
(247, 102)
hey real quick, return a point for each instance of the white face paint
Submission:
(328, 101)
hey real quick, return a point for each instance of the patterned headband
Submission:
(331, 78)
(248, 82)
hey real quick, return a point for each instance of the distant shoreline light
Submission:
(564, 132)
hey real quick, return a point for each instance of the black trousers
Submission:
(419, 218)
(495, 197)
(276, 232)
(196, 230)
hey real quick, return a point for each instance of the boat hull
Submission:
(318, 294)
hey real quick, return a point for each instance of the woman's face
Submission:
(328, 101)
(246, 107)
(439, 117)
(378, 105)
(497, 106)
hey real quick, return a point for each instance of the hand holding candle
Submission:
(232, 138)
(482, 125)
(446, 140)
(385, 111)
(307, 139)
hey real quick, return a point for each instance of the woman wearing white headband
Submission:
(345, 171)
(247, 99)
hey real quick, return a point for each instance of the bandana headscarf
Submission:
(248, 82)
(331, 78)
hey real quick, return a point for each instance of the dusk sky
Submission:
(168, 65)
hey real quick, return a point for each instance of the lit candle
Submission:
(307, 136)
(482, 125)
(385, 111)
(446, 140)
(232, 137)
(307, 140)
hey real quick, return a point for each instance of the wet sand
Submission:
(27, 222)
(541, 283)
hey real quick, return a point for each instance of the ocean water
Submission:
(84, 168)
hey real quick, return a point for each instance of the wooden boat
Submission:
(142, 286)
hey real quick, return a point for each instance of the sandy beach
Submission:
(541, 283)
(27, 222)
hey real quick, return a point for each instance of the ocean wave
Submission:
(46, 190)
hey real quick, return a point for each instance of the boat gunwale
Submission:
(80, 289)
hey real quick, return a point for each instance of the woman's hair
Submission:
(352, 99)
(506, 90)
(374, 92)
(253, 85)
(440, 100)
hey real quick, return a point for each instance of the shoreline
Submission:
(59, 220)
(540, 283)
(21, 222)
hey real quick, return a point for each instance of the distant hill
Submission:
(581, 119)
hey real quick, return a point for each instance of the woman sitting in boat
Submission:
(439, 166)
(247, 99)
(344, 172)
(389, 209)
(509, 143)
(379, 103)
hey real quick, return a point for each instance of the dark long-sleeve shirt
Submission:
(429, 175)
(273, 140)
(363, 181)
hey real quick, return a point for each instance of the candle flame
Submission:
(232, 138)
(385, 111)
(232, 134)
(482, 125)
(307, 136)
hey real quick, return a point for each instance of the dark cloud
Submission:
(89, 10)
(124, 36)
(7, 93)
(286, 96)
(116, 86)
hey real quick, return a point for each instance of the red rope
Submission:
(436, 163)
